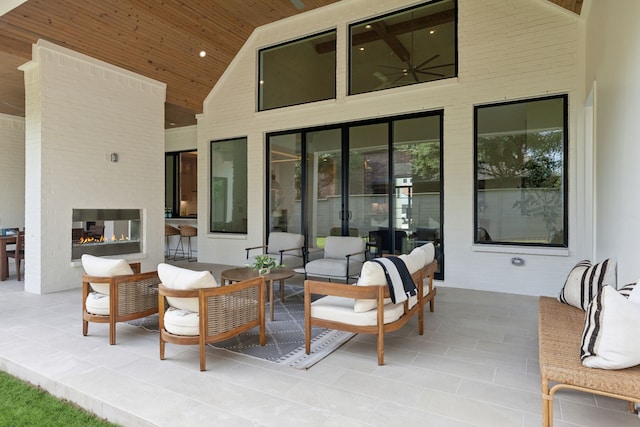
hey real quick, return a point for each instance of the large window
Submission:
(181, 184)
(229, 186)
(521, 172)
(411, 46)
(297, 72)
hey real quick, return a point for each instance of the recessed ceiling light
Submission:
(203, 54)
(368, 26)
(361, 49)
(172, 124)
(432, 31)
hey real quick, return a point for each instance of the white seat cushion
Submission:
(183, 279)
(340, 309)
(332, 268)
(182, 322)
(97, 303)
(104, 267)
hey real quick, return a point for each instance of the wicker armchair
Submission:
(130, 296)
(223, 312)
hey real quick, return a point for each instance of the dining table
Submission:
(4, 261)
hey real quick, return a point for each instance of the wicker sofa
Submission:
(366, 307)
(560, 328)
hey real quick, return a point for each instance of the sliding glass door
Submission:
(379, 180)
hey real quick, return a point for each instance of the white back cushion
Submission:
(104, 267)
(339, 247)
(279, 240)
(182, 279)
(371, 274)
(429, 251)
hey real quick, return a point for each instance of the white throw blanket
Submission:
(401, 284)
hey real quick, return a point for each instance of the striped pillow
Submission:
(585, 280)
(625, 291)
(610, 336)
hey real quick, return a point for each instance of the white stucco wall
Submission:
(613, 63)
(78, 111)
(11, 171)
(508, 50)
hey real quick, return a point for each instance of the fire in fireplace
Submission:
(103, 232)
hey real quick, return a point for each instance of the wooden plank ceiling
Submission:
(160, 39)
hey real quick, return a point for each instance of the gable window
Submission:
(412, 46)
(229, 186)
(521, 172)
(297, 72)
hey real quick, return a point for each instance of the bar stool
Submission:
(169, 231)
(187, 231)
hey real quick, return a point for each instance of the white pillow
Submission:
(626, 290)
(610, 336)
(429, 250)
(371, 274)
(182, 279)
(634, 295)
(585, 280)
(104, 267)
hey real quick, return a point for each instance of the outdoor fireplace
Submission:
(103, 232)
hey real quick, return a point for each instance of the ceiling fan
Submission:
(415, 71)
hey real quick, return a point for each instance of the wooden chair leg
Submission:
(380, 349)
(162, 345)
(203, 356)
(112, 332)
(85, 327)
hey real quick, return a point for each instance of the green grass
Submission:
(22, 404)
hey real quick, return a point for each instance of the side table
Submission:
(244, 273)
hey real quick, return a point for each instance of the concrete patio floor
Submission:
(476, 365)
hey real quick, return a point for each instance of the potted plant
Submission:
(263, 264)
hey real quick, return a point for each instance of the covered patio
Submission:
(476, 365)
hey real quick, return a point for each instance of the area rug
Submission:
(285, 334)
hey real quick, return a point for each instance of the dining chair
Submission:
(18, 253)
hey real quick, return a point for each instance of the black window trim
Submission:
(565, 173)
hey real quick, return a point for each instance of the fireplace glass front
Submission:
(103, 232)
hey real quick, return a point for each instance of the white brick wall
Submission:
(11, 171)
(508, 49)
(78, 111)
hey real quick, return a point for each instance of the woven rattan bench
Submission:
(560, 329)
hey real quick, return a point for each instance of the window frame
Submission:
(564, 182)
(259, 70)
(242, 230)
(388, 15)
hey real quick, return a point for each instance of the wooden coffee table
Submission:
(244, 273)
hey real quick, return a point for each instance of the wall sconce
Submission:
(114, 157)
